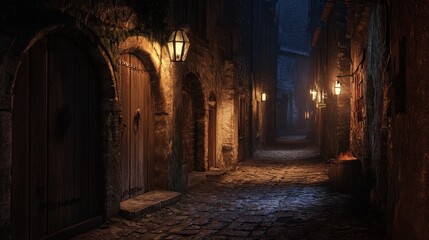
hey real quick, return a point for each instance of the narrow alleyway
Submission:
(282, 193)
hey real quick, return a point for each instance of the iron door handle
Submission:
(137, 117)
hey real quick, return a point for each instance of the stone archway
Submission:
(23, 40)
(193, 131)
(148, 53)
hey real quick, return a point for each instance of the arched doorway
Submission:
(56, 160)
(138, 127)
(212, 131)
(193, 124)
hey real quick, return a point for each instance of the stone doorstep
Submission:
(148, 202)
(215, 173)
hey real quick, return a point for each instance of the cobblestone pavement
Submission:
(279, 194)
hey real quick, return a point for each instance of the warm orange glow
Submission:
(178, 46)
(264, 97)
(337, 88)
(313, 94)
(345, 156)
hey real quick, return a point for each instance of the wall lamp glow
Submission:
(264, 96)
(313, 94)
(337, 87)
(178, 46)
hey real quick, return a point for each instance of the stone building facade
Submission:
(265, 50)
(330, 62)
(203, 109)
(388, 118)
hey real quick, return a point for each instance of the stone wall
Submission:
(392, 140)
(104, 38)
(368, 50)
(409, 162)
(220, 64)
(265, 52)
(331, 62)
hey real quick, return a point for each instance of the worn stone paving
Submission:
(282, 193)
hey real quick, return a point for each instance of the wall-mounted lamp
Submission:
(313, 94)
(337, 87)
(264, 96)
(178, 46)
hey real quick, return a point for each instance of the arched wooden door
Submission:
(56, 166)
(138, 128)
(189, 132)
(212, 135)
(242, 130)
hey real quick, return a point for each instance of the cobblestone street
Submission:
(279, 194)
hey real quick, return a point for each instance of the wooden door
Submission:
(212, 137)
(242, 130)
(138, 124)
(189, 132)
(56, 166)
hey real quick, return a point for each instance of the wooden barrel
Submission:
(344, 174)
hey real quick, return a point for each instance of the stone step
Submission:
(148, 202)
(215, 173)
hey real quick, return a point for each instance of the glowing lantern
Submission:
(264, 97)
(313, 94)
(337, 88)
(178, 46)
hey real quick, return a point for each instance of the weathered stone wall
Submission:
(333, 59)
(329, 70)
(265, 52)
(222, 65)
(409, 162)
(105, 30)
(393, 139)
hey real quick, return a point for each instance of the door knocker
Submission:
(137, 118)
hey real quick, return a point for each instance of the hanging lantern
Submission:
(337, 88)
(178, 46)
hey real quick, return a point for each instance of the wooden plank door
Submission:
(57, 177)
(212, 137)
(189, 132)
(137, 134)
(242, 130)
